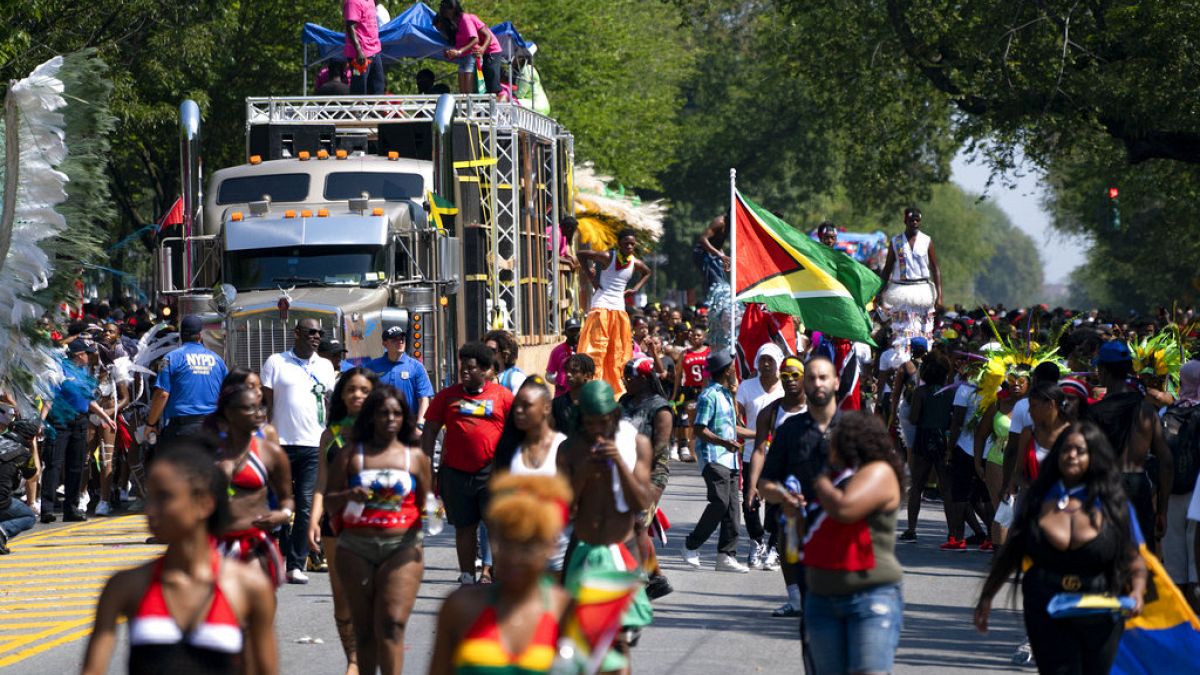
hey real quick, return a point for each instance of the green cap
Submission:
(596, 398)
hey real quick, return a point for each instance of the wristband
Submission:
(287, 512)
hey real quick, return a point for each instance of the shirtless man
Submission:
(608, 464)
(1131, 424)
(708, 253)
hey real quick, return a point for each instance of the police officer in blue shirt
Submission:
(68, 418)
(186, 389)
(403, 372)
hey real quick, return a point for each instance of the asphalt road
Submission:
(713, 623)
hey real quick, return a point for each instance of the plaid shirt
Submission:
(715, 410)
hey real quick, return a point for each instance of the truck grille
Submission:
(253, 337)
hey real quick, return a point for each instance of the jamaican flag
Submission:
(439, 206)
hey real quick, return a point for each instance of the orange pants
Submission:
(608, 338)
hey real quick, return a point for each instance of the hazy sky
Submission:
(1023, 204)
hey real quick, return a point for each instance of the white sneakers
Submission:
(674, 453)
(771, 561)
(102, 508)
(692, 558)
(757, 552)
(296, 577)
(728, 563)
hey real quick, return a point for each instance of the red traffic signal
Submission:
(1113, 193)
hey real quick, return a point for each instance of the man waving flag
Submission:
(780, 267)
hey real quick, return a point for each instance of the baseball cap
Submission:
(191, 325)
(331, 346)
(572, 324)
(597, 398)
(718, 361)
(394, 333)
(80, 345)
(919, 342)
(1114, 351)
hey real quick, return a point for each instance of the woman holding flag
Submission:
(512, 625)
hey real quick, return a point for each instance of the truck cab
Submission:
(330, 218)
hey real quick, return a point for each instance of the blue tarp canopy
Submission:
(410, 35)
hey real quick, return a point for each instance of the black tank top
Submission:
(1092, 559)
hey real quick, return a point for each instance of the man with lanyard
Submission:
(801, 449)
(403, 372)
(473, 413)
(719, 447)
(608, 465)
(68, 419)
(556, 367)
(296, 386)
(187, 387)
(1132, 426)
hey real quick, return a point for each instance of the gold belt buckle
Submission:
(1071, 582)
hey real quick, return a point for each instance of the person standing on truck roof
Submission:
(187, 387)
(363, 48)
(473, 42)
(295, 386)
(403, 372)
(607, 334)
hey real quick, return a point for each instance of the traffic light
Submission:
(1114, 210)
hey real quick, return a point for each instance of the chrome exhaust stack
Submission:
(190, 178)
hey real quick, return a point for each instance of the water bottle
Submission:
(792, 551)
(435, 521)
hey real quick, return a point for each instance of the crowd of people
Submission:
(1054, 437)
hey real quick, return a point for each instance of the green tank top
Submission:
(887, 568)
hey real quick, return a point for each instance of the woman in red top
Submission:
(380, 557)
(190, 610)
(252, 464)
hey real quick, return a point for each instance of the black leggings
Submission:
(1076, 646)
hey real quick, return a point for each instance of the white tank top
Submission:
(912, 262)
(548, 467)
(613, 282)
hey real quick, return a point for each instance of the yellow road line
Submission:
(89, 548)
(5, 615)
(30, 624)
(38, 536)
(42, 591)
(73, 565)
(49, 603)
(86, 577)
(38, 649)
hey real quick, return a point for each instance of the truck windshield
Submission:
(377, 184)
(282, 187)
(305, 266)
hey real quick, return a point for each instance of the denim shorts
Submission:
(855, 633)
(466, 64)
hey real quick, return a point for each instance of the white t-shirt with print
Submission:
(1020, 417)
(301, 389)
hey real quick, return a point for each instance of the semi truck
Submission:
(432, 213)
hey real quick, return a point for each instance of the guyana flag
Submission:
(439, 206)
(788, 272)
(601, 599)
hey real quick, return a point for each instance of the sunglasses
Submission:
(790, 376)
(311, 332)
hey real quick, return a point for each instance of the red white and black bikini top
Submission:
(252, 475)
(153, 624)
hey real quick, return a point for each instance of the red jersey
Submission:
(695, 368)
(473, 424)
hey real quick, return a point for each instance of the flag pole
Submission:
(732, 227)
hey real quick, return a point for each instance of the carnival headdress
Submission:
(1160, 356)
(1010, 356)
